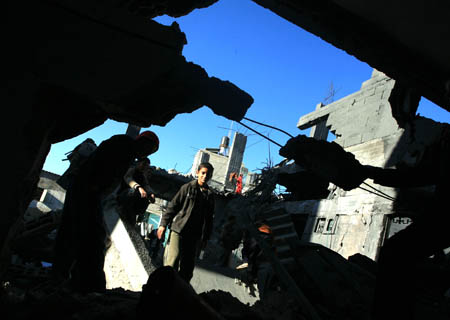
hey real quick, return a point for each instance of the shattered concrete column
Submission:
(235, 157)
(127, 263)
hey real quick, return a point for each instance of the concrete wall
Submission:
(359, 117)
(356, 221)
(220, 164)
(127, 263)
(348, 225)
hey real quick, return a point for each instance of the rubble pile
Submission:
(318, 284)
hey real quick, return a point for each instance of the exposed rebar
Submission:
(260, 134)
(272, 127)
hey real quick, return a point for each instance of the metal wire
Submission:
(266, 125)
(274, 142)
(381, 192)
(378, 194)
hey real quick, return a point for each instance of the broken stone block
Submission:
(164, 288)
(328, 279)
(328, 160)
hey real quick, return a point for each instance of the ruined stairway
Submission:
(283, 229)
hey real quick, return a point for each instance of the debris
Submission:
(325, 159)
(166, 294)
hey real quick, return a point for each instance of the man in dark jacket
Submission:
(81, 239)
(135, 193)
(190, 217)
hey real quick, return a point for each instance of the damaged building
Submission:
(89, 61)
(357, 221)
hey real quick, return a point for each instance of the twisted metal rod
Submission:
(272, 127)
(274, 142)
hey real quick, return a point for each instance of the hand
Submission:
(142, 192)
(160, 233)
(151, 198)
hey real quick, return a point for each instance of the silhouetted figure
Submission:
(257, 266)
(135, 193)
(81, 239)
(237, 181)
(230, 238)
(427, 235)
(239, 184)
(76, 158)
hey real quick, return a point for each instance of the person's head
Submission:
(143, 163)
(204, 173)
(146, 143)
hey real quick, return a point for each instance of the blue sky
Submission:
(284, 68)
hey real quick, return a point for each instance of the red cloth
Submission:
(239, 185)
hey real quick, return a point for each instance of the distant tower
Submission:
(224, 144)
(235, 157)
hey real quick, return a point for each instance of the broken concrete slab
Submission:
(208, 277)
(328, 160)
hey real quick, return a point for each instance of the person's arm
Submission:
(150, 192)
(403, 177)
(129, 180)
(172, 209)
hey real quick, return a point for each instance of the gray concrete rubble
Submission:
(326, 242)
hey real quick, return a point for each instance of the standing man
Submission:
(190, 218)
(81, 239)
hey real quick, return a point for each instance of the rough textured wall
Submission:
(220, 164)
(359, 117)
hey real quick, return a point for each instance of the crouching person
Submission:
(135, 194)
(190, 218)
